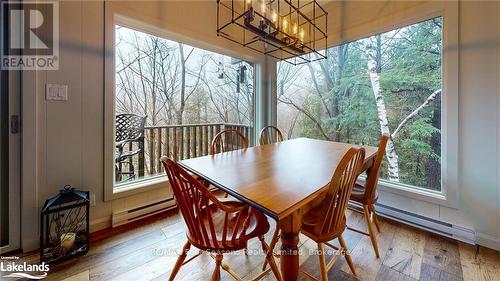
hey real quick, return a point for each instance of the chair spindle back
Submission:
(335, 202)
(270, 134)
(227, 140)
(372, 177)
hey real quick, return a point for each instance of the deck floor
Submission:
(148, 252)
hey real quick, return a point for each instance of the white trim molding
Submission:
(30, 160)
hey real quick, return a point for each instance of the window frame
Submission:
(113, 18)
(448, 196)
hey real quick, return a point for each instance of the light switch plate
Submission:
(56, 92)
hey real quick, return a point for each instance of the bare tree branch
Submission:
(310, 116)
(415, 112)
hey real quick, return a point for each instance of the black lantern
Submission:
(64, 225)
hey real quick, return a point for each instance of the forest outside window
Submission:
(171, 99)
(388, 83)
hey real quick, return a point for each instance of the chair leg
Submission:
(370, 230)
(117, 173)
(270, 258)
(120, 169)
(375, 217)
(132, 169)
(218, 263)
(180, 261)
(131, 166)
(347, 255)
(274, 240)
(322, 262)
(230, 271)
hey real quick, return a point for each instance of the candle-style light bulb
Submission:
(263, 7)
(285, 25)
(295, 28)
(301, 35)
(274, 16)
(248, 4)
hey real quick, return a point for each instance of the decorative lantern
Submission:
(64, 225)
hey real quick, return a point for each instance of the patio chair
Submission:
(129, 130)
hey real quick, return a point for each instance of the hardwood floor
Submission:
(148, 252)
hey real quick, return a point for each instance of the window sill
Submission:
(128, 189)
(421, 194)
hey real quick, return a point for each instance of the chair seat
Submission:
(358, 195)
(312, 218)
(257, 226)
(124, 154)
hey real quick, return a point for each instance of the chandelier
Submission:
(291, 30)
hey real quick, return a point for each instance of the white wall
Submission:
(63, 141)
(479, 107)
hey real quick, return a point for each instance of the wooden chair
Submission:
(367, 195)
(327, 221)
(213, 226)
(227, 140)
(270, 134)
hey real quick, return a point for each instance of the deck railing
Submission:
(180, 142)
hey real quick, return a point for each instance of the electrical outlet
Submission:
(92, 199)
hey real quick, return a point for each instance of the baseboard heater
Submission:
(142, 211)
(432, 225)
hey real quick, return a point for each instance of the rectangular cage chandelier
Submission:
(294, 31)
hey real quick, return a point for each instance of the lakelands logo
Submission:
(30, 35)
(23, 270)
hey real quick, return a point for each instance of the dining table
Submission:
(282, 180)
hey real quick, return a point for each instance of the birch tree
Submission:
(389, 83)
(373, 61)
(374, 66)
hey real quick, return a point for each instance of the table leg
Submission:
(289, 256)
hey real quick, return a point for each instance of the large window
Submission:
(388, 83)
(171, 99)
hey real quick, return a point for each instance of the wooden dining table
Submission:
(283, 180)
